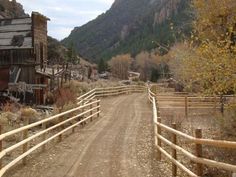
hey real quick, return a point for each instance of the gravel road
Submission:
(118, 144)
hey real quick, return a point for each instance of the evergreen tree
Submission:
(72, 56)
(102, 65)
(155, 75)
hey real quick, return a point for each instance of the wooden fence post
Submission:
(62, 126)
(215, 104)
(155, 131)
(82, 111)
(186, 107)
(101, 92)
(91, 112)
(158, 113)
(44, 136)
(25, 135)
(174, 154)
(1, 146)
(158, 139)
(98, 109)
(156, 89)
(198, 149)
(73, 130)
(79, 112)
(155, 134)
(157, 107)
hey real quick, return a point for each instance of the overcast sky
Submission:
(66, 14)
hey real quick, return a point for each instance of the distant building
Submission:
(23, 52)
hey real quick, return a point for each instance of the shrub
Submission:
(29, 113)
(228, 121)
(11, 107)
(10, 121)
(65, 96)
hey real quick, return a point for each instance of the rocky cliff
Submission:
(130, 26)
(11, 9)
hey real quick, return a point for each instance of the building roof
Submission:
(16, 33)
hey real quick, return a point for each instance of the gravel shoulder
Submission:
(118, 144)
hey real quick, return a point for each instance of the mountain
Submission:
(130, 26)
(11, 9)
(57, 53)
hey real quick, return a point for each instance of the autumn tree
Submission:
(120, 65)
(180, 58)
(215, 21)
(209, 59)
(150, 65)
(215, 57)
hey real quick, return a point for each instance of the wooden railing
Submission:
(198, 141)
(88, 108)
(110, 91)
(193, 103)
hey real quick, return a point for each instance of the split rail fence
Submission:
(198, 141)
(191, 103)
(87, 109)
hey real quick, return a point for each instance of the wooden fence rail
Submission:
(198, 141)
(191, 103)
(88, 107)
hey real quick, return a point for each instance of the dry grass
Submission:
(82, 87)
(227, 122)
(12, 117)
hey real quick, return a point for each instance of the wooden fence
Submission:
(192, 103)
(88, 108)
(198, 141)
(110, 91)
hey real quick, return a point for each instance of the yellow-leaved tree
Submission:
(120, 65)
(145, 63)
(209, 60)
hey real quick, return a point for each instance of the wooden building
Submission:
(23, 52)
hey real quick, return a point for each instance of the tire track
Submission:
(116, 145)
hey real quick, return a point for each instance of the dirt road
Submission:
(118, 144)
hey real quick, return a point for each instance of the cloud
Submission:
(106, 1)
(60, 31)
(66, 14)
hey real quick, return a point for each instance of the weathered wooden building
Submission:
(23, 52)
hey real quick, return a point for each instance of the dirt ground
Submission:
(118, 144)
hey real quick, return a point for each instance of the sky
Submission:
(66, 14)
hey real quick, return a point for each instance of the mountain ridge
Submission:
(129, 26)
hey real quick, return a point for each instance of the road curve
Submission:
(118, 144)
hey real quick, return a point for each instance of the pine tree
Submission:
(72, 56)
(102, 66)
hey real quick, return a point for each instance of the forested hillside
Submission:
(130, 26)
